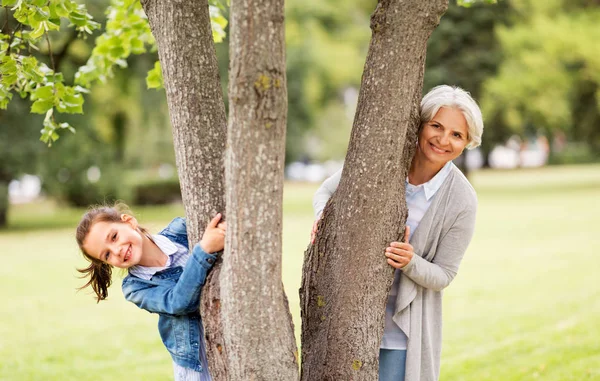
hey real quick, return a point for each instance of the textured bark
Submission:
(187, 55)
(346, 279)
(257, 324)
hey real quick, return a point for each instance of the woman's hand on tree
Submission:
(315, 229)
(399, 254)
(213, 239)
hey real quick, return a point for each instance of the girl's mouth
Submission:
(127, 254)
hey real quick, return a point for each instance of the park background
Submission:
(525, 304)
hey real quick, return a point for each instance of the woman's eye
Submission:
(114, 236)
(458, 135)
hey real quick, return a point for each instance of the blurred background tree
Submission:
(549, 75)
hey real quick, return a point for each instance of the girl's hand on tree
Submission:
(213, 239)
(399, 254)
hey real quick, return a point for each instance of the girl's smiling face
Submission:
(117, 243)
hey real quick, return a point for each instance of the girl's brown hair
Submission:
(100, 273)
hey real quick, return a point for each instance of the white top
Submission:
(418, 200)
(177, 255)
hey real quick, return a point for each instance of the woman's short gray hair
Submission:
(453, 96)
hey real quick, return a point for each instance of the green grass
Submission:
(525, 305)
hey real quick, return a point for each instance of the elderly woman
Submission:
(441, 214)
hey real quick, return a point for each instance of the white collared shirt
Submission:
(418, 200)
(177, 255)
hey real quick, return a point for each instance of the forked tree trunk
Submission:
(346, 279)
(257, 325)
(188, 59)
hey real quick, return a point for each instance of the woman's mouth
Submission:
(436, 149)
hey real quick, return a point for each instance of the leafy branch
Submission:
(127, 32)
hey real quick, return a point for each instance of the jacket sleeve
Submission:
(180, 299)
(323, 194)
(437, 274)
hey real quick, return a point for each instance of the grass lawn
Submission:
(525, 305)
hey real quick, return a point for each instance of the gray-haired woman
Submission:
(441, 214)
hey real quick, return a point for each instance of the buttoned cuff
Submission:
(205, 259)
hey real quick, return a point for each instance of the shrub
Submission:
(156, 191)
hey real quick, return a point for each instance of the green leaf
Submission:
(41, 14)
(154, 79)
(43, 93)
(9, 79)
(78, 19)
(8, 65)
(41, 106)
(8, 3)
(5, 97)
(71, 103)
(38, 31)
(137, 46)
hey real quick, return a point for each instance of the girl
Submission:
(164, 277)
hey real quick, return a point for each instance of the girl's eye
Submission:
(106, 256)
(114, 237)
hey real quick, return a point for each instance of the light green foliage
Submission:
(551, 68)
(154, 79)
(127, 32)
(24, 74)
(522, 307)
(218, 21)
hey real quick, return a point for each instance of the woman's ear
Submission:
(129, 219)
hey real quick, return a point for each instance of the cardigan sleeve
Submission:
(437, 274)
(324, 193)
(179, 299)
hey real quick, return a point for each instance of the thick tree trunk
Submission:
(257, 325)
(346, 279)
(187, 55)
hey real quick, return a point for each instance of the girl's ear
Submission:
(129, 219)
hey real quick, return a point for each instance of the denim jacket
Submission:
(174, 294)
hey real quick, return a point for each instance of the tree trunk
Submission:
(257, 325)
(187, 55)
(346, 279)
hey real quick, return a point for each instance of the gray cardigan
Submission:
(440, 242)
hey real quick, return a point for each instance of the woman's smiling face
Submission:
(444, 137)
(117, 243)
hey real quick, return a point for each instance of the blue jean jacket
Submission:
(174, 294)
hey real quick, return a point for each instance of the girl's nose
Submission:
(116, 251)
